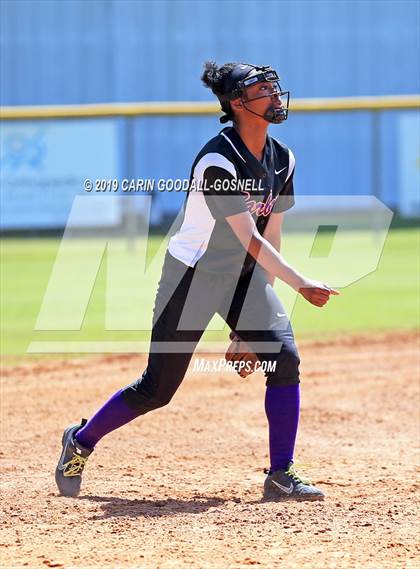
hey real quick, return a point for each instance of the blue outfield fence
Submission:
(350, 146)
(56, 52)
(74, 52)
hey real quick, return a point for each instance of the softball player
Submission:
(224, 259)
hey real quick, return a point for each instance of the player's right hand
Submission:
(317, 293)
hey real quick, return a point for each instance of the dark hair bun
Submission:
(214, 78)
(211, 77)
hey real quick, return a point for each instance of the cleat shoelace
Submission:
(75, 465)
(296, 476)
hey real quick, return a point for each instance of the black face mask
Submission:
(273, 114)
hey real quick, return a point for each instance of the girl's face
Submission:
(258, 98)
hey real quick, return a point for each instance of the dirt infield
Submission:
(181, 487)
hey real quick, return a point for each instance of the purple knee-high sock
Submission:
(114, 414)
(282, 410)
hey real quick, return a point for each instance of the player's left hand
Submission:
(316, 292)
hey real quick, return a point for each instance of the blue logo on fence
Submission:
(23, 150)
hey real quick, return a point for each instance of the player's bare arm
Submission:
(271, 260)
(273, 234)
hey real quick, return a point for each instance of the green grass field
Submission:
(387, 298)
